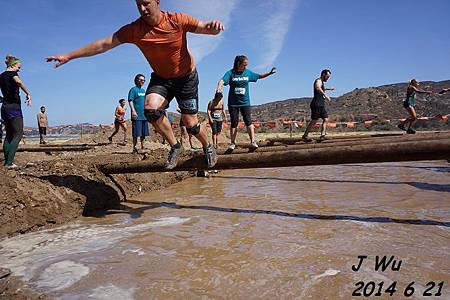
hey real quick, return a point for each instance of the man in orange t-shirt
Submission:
(161, 37)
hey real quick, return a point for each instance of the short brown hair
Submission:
(325, 72)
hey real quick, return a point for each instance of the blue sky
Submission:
(364, 43)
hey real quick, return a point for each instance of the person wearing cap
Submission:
(11, 111)
(216, 115)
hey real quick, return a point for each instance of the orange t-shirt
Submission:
(164, 45)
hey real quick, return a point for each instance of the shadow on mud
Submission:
(136, 213)
(419, 185)
(434, 169)
(99, 196)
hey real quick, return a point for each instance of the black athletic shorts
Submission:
(246, 112)
(184, 89)
(216, 127)
(318, 112)
(407, 104)
(43, 130)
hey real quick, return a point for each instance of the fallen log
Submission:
(292, 141)
(51, 149)
(343, 142)
(389, 152)
(74, 145)
(63, 145)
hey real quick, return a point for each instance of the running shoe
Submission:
(232, 146)
(253, 146)
(401, 126)
(323, 138)
(410, 131)
(172, 160)
(135, 151)
(306, 139)
(211, 156)
(13, 166)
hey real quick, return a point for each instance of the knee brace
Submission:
(153, 115)
(194, 130)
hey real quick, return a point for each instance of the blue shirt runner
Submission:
(239, 94)
(137, 96)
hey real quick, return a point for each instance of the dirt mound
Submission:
(54, 189)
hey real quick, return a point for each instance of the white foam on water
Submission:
(26, 255)
(106, 292)
(329, 272)
(139, 251)
(61, 275)
(316, 279)
(110, 291)
(362, 223)
(444, 228)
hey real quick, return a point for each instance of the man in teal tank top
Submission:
(136, 99)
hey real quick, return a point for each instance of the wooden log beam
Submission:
(64, 145)
(292, 141)
(340, 142)
(74, 145)
(388, 152)
(51, 149)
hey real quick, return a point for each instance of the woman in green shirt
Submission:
(409, 104)
(238, 79)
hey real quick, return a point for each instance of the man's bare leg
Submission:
(251, 132)
(308, 129)
(191, 121)
(233, 134)
(323, 131)
(162, 125)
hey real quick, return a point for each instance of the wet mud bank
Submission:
(53, 190)
(56, 191)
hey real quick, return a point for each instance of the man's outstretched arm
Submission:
(212, 27)
(91, 49)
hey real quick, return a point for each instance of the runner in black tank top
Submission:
(318, 109)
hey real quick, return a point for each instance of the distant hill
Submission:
(362, 104)
(64, 129)
(384, 102)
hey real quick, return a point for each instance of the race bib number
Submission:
(217, 115)
(239, 91)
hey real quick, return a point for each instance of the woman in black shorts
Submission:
(216, 115)
(238, 79)
(11, 111)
